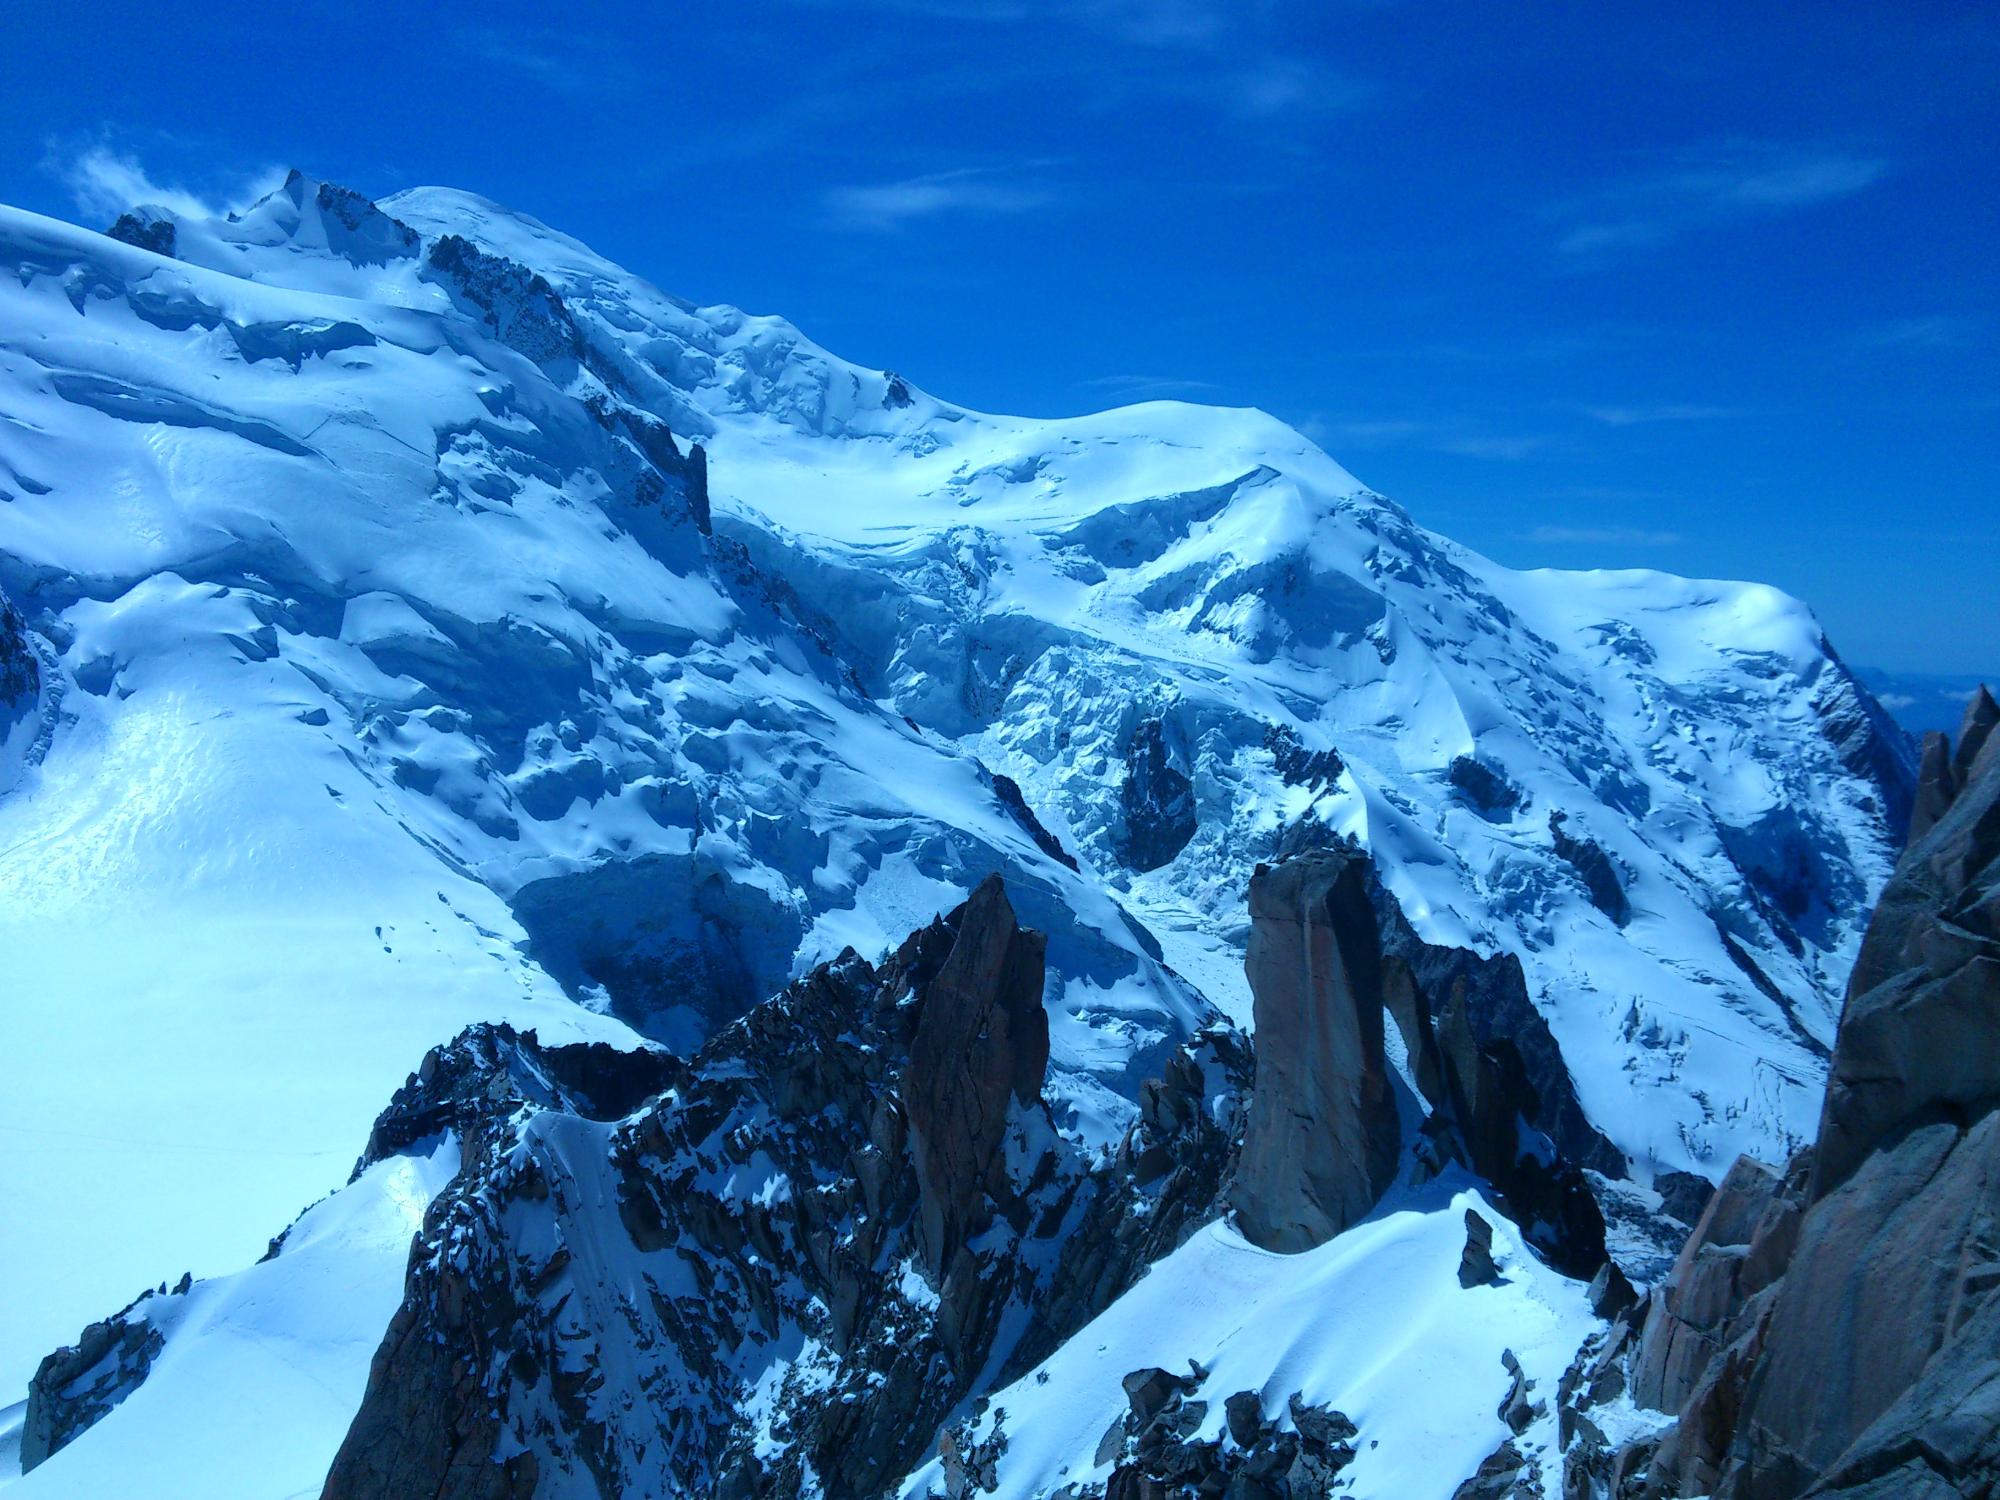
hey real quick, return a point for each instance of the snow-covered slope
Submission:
(389, 677)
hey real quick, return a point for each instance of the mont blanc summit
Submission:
(709, 887)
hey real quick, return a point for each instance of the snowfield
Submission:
(397, 672)
(1373, 1324)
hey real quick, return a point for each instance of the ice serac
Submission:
(1834, 1329)
(1322, 1136)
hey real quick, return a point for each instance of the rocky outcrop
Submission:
(1298, 766)
(1506, 1474)
(1297, 1453)
(76, 1386)
(355, 224)
(1982, 716)
(1008, 790)
(1330, 952)
(518, 305)
(1936, 786)
(661, 469)
(1156, 801)
(1739, 1248)
(1321, 1141)
(1867, 740)
(490, 1073)
(847, 1215)
(980, 1050)
(20, 672)
(1835, 1329)
(145, 231)
(1475, 1262)
(1500, 1094)
(1487, 791)
(1594, 868)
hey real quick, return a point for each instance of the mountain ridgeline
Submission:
(907, 951)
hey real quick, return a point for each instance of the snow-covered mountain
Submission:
(419, 621)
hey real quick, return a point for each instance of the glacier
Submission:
(423, 621)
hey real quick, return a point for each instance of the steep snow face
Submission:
(257, 1374)
(387, 678)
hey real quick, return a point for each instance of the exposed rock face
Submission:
(1329, 951)
(1321, 1141)
(1297, 765)
(848, 1214)
(1919, 1035)
(1739, 1247)
(1835, 1330)
(20, 673)
(1487, 791)
(1594, 868)
(1487, 1065)
(488, 1074)
(1982, 716)
(980, 1049)
(1156, 1454)
(1475, 1264)
(1507, 1474)
(371, 235)
(75, 1386)
(519, 306)
(1867, 740)
(1157, 801)
(1936, 785)
(27, 714)
(1009, 792)
(661, 467)
(142, 230)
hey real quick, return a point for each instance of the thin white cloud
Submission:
(104, 182)
(982, 192)
(1273, 87)
(1713, 187)
(1601, 536)
(1657, 411)
(1219, 55)
(570, 62)
(1506, 447)
(1147, 387)
(1933, 331)
(1461, 439)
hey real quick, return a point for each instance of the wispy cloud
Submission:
(1236, 61)
(1463, 439)
(105, 181)
(1600, 536)
(569, 62)
(1271, 87)
(1657, 411)
(980, 192)
(1146, 387)
(1932, 331)
(1710, 188)
(1506, 447)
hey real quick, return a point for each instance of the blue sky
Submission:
(1708, 288)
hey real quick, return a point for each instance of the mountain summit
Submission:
(417, 622)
